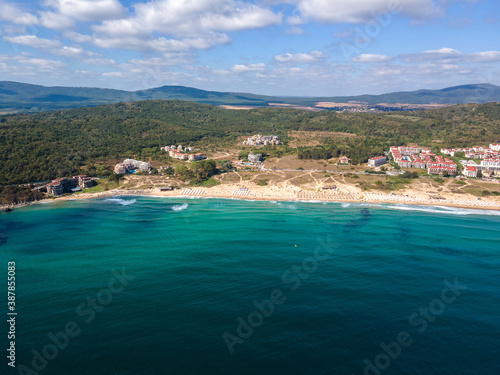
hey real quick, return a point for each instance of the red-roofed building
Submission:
(198, 156)
(375, 162)
(470, 171)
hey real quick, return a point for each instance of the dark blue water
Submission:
(205, 286)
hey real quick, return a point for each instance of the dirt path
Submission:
(222, 156)
(239, 175)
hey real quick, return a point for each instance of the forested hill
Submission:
(21, 97)
(45, 145)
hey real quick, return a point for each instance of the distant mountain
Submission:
(476, 93)
(22, 97)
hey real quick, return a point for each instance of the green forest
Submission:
(43, 146)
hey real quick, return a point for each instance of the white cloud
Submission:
(188, 17)
(55, 47)
(42, 65)
(88, 10)
(449, 55)
(242, 17)
(56, 21)
(369, 58)
(300, 58)
(113, 74)
(363, 11)
(161, 44)
(99, 61)
(11, 13)
(182, 25)
(32, 41)
(77, 37)
(248, 67)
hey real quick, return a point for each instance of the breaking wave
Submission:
(180, 207)
(444, 210)
(123, 202)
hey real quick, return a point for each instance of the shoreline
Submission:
(273, 194)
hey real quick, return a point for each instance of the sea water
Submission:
(135, 285)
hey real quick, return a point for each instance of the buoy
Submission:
(295, 245)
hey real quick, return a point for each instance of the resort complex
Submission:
(419, 157)
(63, 185)
(129, 165)
(183, 153)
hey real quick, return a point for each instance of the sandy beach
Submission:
(292, 193)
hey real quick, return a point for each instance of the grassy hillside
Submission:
(20, 97)
(43, 146)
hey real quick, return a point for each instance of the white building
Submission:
(375, 162)
(137, 164)
(470, 171)
(120, 168)
(258, 139)
(254, 158)
(197, 156)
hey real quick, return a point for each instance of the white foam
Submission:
(442, 210)
(123, 202)
(180, 207)
(345, 205)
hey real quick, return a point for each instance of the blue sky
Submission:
(275, 47)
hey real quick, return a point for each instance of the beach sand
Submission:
(291, 193)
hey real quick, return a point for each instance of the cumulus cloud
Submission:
(450, 55)
(12, 13)
(56, 21)
(188, 24)
(161, 44)
(32, 41)
(77, 37)
(55, 47)
(369, 58)
(243, 17)
(88, 10)
(362, 11)
(113, 74)
(248, 67)
(300, 58)
(42, 65)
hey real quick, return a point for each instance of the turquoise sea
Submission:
(136, 285)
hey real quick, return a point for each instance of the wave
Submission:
(345, 205)
(442, 210)
(123, 202)
(180, 207)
